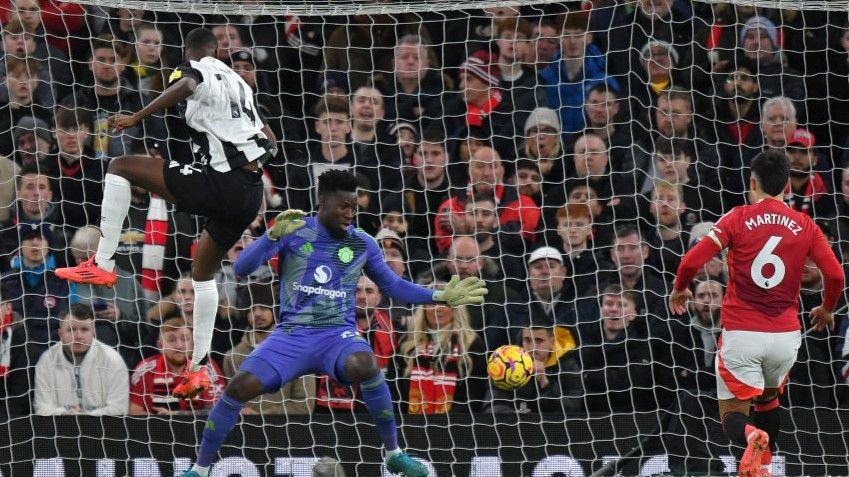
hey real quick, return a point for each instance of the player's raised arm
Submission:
(469, 291)
(833, 280)
(262, 249)
(693, 261)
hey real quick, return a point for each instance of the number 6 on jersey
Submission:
(766, 257)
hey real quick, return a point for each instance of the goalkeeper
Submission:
(321, 259)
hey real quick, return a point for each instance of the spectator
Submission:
(545, 43)
(602, 118)
(415, 85)
(715, 269)
(33, 142)
(518, 214)
(843, 212)
(580, 65)
(760, 52)
(228, 329)
(575, 231)
(23, 95)
(528, 180)
(80, 375)
(79, 175)
(405, 136)
(669, 234)
(698, 342)
(484, 106)
(118, 310)
(15, 364)
(36, 207)
(520, 84)
(482, 216)
(231, 285)
(549, 294)
(657, 72)
(124, 23)
(229, 40)
(146, 61)
(629, 254)
(154, 378)
(295, 397)
(556, 387)
(738, 112)
(111, 94)
(809, 191)
(33, 290)
(28, 40)
(375, 326)
(375, 156)
(441, 363)
(394, 251)
(615, 356)
(544, 145)
(9, 170)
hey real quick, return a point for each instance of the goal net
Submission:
(568, 153)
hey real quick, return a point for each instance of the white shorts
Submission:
(749, 361)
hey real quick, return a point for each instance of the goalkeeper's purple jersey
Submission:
(319, 274)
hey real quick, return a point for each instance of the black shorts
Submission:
(229, 200)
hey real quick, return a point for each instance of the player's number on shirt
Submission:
(764, 257)
(240, 106)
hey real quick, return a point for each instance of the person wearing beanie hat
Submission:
(760, 51)
(543, 145)
(394, 251)
(32, 141)
(260, 305)
(542, 117)
(767, 28)
(579, 66)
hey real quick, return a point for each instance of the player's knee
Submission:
(244, 387)
(361, 366)
(201, 273)
(119, 166)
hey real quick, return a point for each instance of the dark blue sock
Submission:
(379, 404)
(221, 420)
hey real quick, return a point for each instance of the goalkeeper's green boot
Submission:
(405, 465)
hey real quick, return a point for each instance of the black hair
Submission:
(434, 135)
(771, 169)
(603, 88)
(200, 38)
(79, 311)
(540, 321)
(626, 229)
(336, 180)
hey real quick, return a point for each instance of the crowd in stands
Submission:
(567, 155)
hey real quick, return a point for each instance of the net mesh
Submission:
(568, 153)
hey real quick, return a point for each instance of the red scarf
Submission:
(813, 190)
(433, 380)
(476, 115)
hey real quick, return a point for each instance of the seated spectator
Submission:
(229, 39)
(575, 231)
(24, 38)
(79, 175)
(36, 206)
(374, 153)
(545, 43)
(601, 114)
(118, 310)
(375, 325)
(229, 284)
(809, 191)
(414, 84)
(80, 375)
(33, 142)
(516, 80)
(153, 380)
(695, 344)
(544, 146)
(15, 364)
(33, 289)
(394, 251)
(22, 95)
(657, 72)
(148, 72)
(295, 397)
(528, 180)
(405, 136)
(482, 224)
(181, 304)
(549, 294)
(615, 357)
(9, 170)
(738, 110)
(112, 94)
(579, 66)
(518, 214)
(441, 363)
(557, 386)
(760, 51)
(124, 22)
(483, 105)
(668, 235)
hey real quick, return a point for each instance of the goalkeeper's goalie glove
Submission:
(286, 222)
(469, 291)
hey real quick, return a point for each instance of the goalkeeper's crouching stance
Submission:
(321, 259)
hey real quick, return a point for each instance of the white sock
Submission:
(394, 451)
(206, 307)
(202, 471)
(113, 211)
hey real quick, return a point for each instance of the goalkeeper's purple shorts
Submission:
(289, 354)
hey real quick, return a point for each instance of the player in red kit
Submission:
(768, 244)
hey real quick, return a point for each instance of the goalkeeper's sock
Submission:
(737, 428)
(767, 417)
(206, 308)
(222, 418)
(202, 471)
(379, 404)
(113, 211)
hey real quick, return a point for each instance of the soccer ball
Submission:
(510, 367)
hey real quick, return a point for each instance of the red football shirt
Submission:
(768, 244)
(152, 382)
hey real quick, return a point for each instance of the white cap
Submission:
(545, 252)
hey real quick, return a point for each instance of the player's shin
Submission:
(222, 419)
(205, 310)
(379, 404)
(113, 211)
(737, 427)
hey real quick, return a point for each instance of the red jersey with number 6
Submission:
(768, 244)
